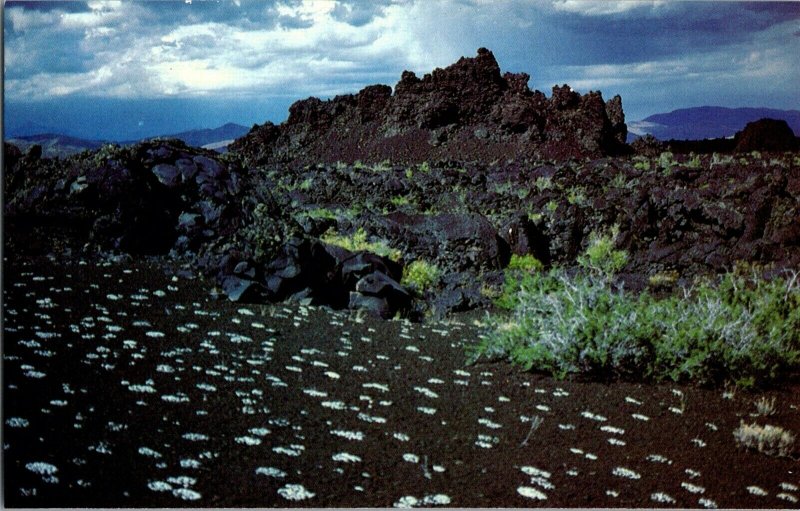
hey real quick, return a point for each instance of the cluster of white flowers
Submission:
(271, 472)
(345, 457)
(295, 492)
(531, 493)
(589, 415)
(350, 435)
(626, 473)
(662, 498)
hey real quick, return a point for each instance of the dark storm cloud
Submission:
(654, 53)
(49, 6)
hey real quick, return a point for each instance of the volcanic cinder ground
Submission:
(126, 386)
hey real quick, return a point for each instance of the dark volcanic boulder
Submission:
(380, 295)
(148, 198)
(766, 135)
(454, 241)
(466, 111)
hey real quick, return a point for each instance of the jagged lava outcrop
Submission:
(467, 111)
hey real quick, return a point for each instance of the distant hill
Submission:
(61, 146)
(54, 145)
(707, 122)
(211, 137)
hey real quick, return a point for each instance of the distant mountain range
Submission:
(55, 145)
(707, 122)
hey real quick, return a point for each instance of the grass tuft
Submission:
(358, 242)
(770, 440)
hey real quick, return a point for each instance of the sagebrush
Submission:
(739, 328)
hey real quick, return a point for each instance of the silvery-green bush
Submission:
(739, 328)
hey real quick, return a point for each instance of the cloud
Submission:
(299, 48)
(605, 8)
(309, 47)
(759, 72)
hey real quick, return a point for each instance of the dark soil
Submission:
(128, 417)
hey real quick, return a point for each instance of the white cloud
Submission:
(130, 49)
(22, 20)
(605, 8)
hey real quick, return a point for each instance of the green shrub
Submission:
(358, 242)
(576, 195)
(420, 275)
(600, 256)
(321, 213)
(666, 160)
(527, 262)
(741, 329)
(694, 162)
(543, 183)
(400, 201)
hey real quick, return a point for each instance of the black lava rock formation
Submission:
(467, 111)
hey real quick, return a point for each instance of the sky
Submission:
(116, 70)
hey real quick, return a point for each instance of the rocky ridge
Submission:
(466, 111)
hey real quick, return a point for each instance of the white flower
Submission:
(295, 492)
(531, 493)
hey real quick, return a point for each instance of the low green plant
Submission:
(321, 213)
(307, 184)
(642, 165)
(424, 167)
(358, 242)
(551, 206)
(694, 162)
(619, 181)
(420, 275)
(666, 160)
(740, 329)
(382, 166)
(576, 195)
(527, 262)
(600, 256)
(535, 217)
(543, 183)
(663, 279)
(400, 201)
